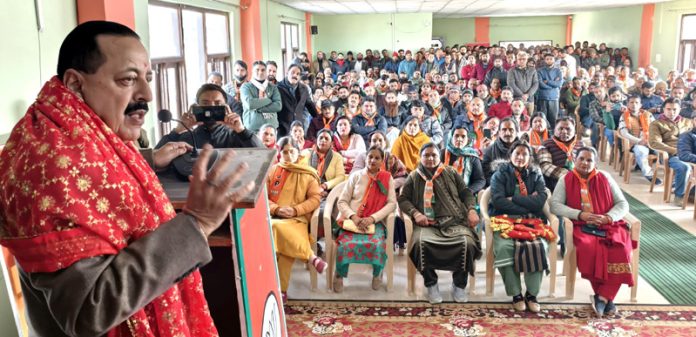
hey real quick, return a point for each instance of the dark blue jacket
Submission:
(392, 66)
(360, 128)
(650, 102)
(585, 101)
(686, 146)
(503, 184)
(551, 90)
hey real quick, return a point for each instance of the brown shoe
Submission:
(338, 284)
(376, 282)
(518, 303)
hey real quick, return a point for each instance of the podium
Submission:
(253, 280)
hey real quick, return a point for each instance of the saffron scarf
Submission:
(585, 196)
(321, 162)
(643, 119)
(72, 190)
(521, 186)
(568, 150)
(478, 129)
(536, 139)
(370, 120)
(327, 124)
(280, 174)
(495, 93)
(375, 195)
(429, 192)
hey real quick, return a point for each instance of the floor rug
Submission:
(666, 255)
(375, 319)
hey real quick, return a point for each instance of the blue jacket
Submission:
(407, 67)
(686, 146)
(360, 128)
(550, 82)
(651, 102)
(392, 66)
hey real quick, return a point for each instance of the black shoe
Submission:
(658, 182)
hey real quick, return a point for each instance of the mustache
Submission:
(139, 105)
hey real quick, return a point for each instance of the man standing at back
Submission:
(260, 100)
(550, 82)
(524, 81)
(296, 100)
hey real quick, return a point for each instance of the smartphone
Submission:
(215, 113)
(487, 133)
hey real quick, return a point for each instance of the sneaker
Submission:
(611, 309)
(532, 303)
(338, 284)
(597, 305)
(518, 303)
(678, 201)
(376, 282)
(434, 296)
(459, 294)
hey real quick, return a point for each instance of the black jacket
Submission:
(295, 101)
(219, 136)
(498, 150)
(503, 185)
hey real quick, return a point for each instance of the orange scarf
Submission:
(73, 190)
(536, 139)
(429, 193)
(644, 123)
(478, 129)
(576, 92)
(370, 120)
(567, 149)
(277, 182)
(327, 124)
(520, 183)
(436, 112)
(458, 165)
(585, 196)
(495, 93)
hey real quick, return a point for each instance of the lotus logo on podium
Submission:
(271, 318)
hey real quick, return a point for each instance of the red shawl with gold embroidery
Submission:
(72, 189)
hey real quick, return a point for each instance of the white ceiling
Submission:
(458, 8)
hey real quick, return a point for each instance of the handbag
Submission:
(350, 226)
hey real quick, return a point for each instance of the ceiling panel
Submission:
(459, 8)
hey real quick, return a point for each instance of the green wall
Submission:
(528, 28)
(454, 31)
(666, 29)
(29, 57)
(374, 31)
(618, 27)
(272, 14)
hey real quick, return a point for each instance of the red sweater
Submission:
(500, 110)
(480, 72)
(467, 72)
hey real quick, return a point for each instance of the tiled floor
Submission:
(357, 285)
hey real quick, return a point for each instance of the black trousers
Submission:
(460, 277)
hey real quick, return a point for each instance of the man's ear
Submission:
(74, 80)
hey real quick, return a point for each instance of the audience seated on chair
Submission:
(466, 160)
(368, 198)
(518, 194)
(326, 120)
(444, 214)
(293, 194)
(298, 135)
(595, 204)
(555, 156)
(474, 121)
(391, 163)
(369, 120)
(687, 143)
(428, 124)
(612, 112)
(347, 142)
(539, 131)
(664, 134)
(634, 125)
(407, 146)
(507, 134)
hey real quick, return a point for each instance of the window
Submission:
(289, 43)
(687, 43)
(186, 44)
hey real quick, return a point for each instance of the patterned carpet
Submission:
(376, 319)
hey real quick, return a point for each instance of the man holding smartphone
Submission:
(219, 130)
